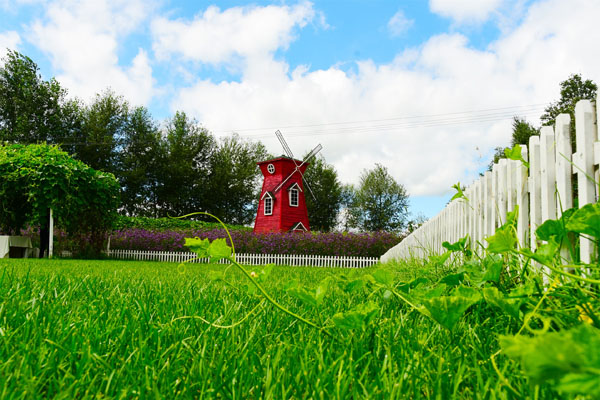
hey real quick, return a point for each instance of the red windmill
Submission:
(282, 206)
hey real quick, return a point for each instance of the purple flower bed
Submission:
(325, 244)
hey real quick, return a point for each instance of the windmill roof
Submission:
(281, 158)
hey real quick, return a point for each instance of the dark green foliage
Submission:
(32, 110)
(39, 177)
(379, 203)
(572, 90)
(123, 222)
(232, 189)
(184, 176)
(327, 189)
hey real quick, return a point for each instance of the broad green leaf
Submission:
(264, 273)
(493, 267)
(198, 246)
(549, 229)
(570, 357)
(355, 285)
(495, 298)
(453, 279)
(405, 287)
(304, 295)
(503, 241)
(218, 249)
(216, 275)
(545, 254)
(456, 246)
(586, 220)
(322, 290)
(383, 276)
(515, 154)
(357, 317)
(447, 310)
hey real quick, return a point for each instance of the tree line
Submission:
(177, 167)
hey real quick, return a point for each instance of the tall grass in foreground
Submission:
(86, 329)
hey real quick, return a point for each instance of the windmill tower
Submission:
(282, 205)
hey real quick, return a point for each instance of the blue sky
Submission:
(425, 88)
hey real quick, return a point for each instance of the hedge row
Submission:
(309, 243)
(168, 224)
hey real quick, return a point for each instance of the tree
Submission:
(140, 162)
(99, 143)
(233, 183)
(571, 91)
(37, 178)
(327, 189)
(32, 110)
(380, 203)
(521, 132)
(184, 175)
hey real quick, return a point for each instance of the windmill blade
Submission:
(284, 144)
(310, 155)
(284, 181)
(307, 186)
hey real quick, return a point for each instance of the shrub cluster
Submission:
(165, 224)
(310, 243)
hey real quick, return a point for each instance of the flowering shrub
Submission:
(326, 244)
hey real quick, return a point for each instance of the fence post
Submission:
(502, 191)
(522, 199)
(548, 173)
(585, 136)
(535, 189)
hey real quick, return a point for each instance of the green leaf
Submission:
(447, 310)
(355, 285)
(383, 276)
(549, 229)
(493, 267)
(303, 295)
(218, 250)
(459, 192)
(456, 246)
(495, 298)
(503, 241)
(405, 287)
(322, 290)
(357, 317)
(515, 154)
(453, 279)
(198, 246)
(586, 220)
(545, 254)
(570, 357)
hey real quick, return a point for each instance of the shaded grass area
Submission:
(73, 328)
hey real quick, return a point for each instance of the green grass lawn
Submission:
(83, 329)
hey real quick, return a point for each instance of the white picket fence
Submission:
(541, 192)
(251, 259)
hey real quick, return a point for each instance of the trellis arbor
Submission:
(39, 182)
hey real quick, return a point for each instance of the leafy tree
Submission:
(233, 183)
(325, 185)
(380, 203)
(187, 161)
(571, 91)
(521, 132)
(37, 178)
(140, 160)
(32, 110)
(100, 140)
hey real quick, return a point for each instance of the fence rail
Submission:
(253, 259)
(541, 191)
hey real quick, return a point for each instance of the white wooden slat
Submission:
(535, 189)
(564, 170)
(548, 174)
(522, 200)
(585, 136)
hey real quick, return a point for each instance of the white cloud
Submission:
(9, 40)
(82, 40)
(443, 76)
(216, 36)
(399, 24)
(465, 10)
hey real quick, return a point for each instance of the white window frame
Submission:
(268, 200)
(271, 168)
